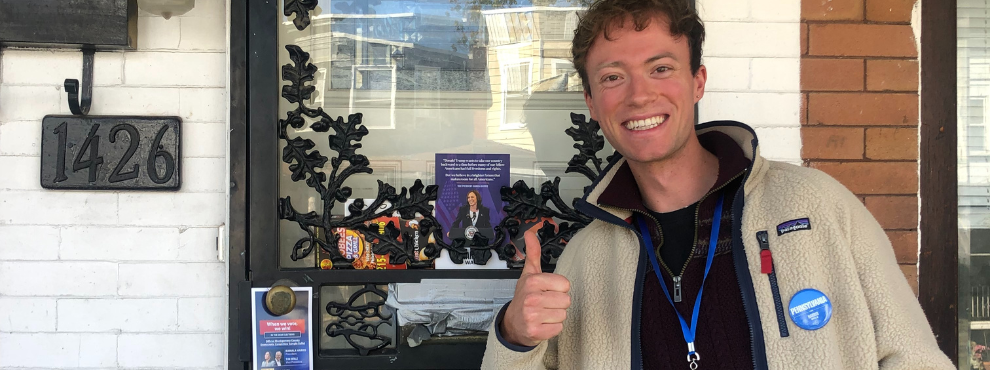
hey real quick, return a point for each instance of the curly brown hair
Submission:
(605, 15)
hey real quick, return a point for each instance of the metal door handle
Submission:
(280, 300)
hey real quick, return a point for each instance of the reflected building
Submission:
(973, 153)
(444, 77)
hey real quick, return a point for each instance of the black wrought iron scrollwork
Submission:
(352, 319)
(301, 8)
(525, 204)
(589, 143)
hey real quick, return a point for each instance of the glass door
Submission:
(973, 68)
(356, 110)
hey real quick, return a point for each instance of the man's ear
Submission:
(700, 79)
(591, 107)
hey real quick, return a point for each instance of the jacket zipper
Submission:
(694, 246)
(676, 278)
(757, 344)
(770, 270)
(638, 301)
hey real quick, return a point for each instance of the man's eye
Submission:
(610, 78)
(662, 69)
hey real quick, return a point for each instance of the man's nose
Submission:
(641, 91)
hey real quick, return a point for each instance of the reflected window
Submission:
(973, 68)
(438, 76)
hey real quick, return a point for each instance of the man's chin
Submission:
(646, 157)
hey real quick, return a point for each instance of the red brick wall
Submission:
(859, 80)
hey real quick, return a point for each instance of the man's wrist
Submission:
(504, 336)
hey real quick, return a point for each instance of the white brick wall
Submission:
(58, 350)
(106, 279)
(170, 350)
(752, 52)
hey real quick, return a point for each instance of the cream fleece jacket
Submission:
(876, 322)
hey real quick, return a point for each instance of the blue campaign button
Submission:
(810, 309)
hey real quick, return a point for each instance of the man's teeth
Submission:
(645, 124)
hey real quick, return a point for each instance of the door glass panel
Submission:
(435, 76)
(428, 77)
(973, 67)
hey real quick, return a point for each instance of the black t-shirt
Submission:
(677, 228)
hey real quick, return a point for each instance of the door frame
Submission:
(239, 285)
(938, 263)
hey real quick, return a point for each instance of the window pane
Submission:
(973, 53)
(440, 76)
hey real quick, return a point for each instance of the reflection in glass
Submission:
(449, 76)
(973, 67)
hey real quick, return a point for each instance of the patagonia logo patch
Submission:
(793, 225)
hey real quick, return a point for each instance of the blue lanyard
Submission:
(688, 332)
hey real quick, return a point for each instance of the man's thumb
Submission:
(533, 252)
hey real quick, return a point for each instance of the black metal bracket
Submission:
(76, 106)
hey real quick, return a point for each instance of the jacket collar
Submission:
(615, 193)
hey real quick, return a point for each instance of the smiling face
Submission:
(268, 356)
(642, 91)
(278, 356)
(472, 199)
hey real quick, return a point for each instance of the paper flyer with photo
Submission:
(469, 200)
(282, 342)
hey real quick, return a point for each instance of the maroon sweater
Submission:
(723, 338)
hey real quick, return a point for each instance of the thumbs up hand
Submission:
(540, 303)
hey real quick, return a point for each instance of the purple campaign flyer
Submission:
(469, 200)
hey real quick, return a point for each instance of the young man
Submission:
(796, 272)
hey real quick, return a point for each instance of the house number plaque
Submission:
(110, 153)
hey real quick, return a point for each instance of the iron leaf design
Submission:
(302, 162)
(417, 201)
(554, 239)
(301, 8)
(551, 191)
(287, 212)
(345, 140)
(299, 74)
(524, 202)
(589, 143)
(323, 124)
(359, 213)
(385, 240)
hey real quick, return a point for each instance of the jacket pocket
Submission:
(766, 267)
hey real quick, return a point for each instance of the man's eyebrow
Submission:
(652, 59)
(660, 56)
(615, 63)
